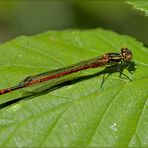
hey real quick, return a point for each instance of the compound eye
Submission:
(126, 54)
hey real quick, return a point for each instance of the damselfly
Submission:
(107, 59)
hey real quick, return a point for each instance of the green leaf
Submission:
(141, 5)
(81, 113)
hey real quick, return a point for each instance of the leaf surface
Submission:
(141, 5)
(82, 113)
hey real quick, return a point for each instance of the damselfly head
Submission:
(126, 54)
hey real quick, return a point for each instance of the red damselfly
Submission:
(107, 59)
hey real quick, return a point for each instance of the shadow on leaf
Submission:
(130, 66)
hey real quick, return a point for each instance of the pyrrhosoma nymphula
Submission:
(107, 59)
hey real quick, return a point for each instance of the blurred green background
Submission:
(32, 17)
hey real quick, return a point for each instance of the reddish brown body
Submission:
(106, 59)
